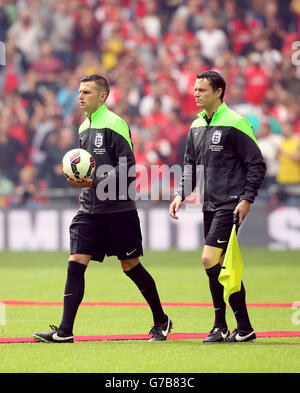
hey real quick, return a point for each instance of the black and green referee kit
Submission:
(223, 158)
(107, 137)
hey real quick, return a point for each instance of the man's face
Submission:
(205, 96)
(90, 97)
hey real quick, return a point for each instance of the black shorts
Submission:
(103, 235)
(217, 228)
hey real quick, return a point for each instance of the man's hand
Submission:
(242, 210)
(175, 206)
(82, 183)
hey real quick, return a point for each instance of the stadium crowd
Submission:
(150, 51)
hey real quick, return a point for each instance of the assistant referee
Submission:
(223, 155)
(106, 224)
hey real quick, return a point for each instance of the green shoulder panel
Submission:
(233, 119)
(84, 125)
(119, 125)
(245, 126)
(199, 122)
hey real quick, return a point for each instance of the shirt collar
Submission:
(97, 113)
(220, 110)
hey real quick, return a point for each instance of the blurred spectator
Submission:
(236, 101)
(288, 175)
(173, 131)
(44, 127)
(269, 144)
(151, 20)
(112, 48)
(30, 92)
(4, 22)
(125, 94)
(47, 67)
(6, 186)
(295, 8)
(283, 105)
(144, 44)
(61, 28)
(157, 148)
(15, 114)
(289, 156)
(178, 39)
(212, 40)
(89, 63)
(256, 79)
(156, 116)
(228, 65)
(271, 57)
(26, 190)
(86, 32)
(240, 30)
(291, 77)
(216, 11)
(156, 90)
(273, 24)
(12, 153)
(12, 75)
(194, 12)
(192, 66)
(58, 145)
(28, 32)
(67, 95)
(262, 115)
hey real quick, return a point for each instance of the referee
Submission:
(222, 154)
(106, 223)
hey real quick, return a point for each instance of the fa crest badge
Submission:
(216, 138)
(99, 140)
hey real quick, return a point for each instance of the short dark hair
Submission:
(215, 79)
(100, 81)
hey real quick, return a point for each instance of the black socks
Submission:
(74, 291)
(237, 301)
(217, 290)
(146, 285)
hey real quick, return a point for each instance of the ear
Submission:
(103, 96)
(219, 91)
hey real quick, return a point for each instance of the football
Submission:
(78, 164)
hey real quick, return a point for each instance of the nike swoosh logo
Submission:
(129, 253)
(242, 338)
(56, 337)
(221, 241)
(165, 332)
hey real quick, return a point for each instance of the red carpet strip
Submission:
(137, 304)
(123, 337)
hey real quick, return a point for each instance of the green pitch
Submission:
(269, 276)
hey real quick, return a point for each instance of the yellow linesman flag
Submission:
(231, 273)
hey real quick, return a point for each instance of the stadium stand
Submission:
(150, 51)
